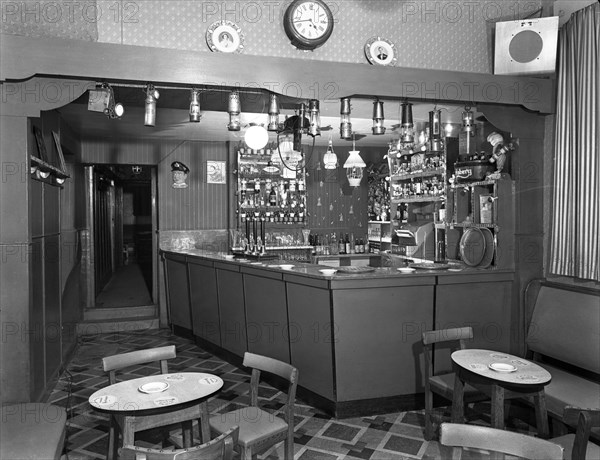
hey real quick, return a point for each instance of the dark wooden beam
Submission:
(24, 57)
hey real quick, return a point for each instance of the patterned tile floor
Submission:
(317, 436)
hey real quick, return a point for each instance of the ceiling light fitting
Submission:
(235, 110)
(256, 137)
(102, 99)
(273, 113)
(345, 125)
(407, 135)
(330, 159)
(195, 106)
(354, 166)
(378, 118)
(314, 118)
(152, 96)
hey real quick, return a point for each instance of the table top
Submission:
(501, 367)
(155, 391)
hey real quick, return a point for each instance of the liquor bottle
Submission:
(341, 245)
(347, 244)
(273, 197)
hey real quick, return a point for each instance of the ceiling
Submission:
(172, 119)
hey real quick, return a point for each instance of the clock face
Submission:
(310, 20)
(308, 23)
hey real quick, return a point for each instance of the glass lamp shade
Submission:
(330, 159)
(256, 137)
(354, 166)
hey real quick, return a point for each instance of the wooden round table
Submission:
(168, 398)
(501, 376)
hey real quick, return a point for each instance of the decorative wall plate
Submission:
(225, 36)
(381, 51)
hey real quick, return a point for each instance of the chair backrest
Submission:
(286, 371)
(117, 362)
(493, 439)
(220, 448)
(458, 335)
(584, 420)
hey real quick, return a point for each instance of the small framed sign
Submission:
(216, 172)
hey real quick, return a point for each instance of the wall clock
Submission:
(380, 51)
(225, 36)
(308, 23)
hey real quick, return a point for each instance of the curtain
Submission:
(575, 223)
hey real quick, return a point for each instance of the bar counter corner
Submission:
(355, 338)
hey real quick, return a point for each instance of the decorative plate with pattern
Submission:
(381, 51)
(225, 36)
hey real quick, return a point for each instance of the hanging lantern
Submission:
(195, 106)
(330, 160)
(234, 109)
(345, 125)
(354, 166)
(407, 126)
(314, 118)
(273, 113)
(378, 118)
(152, 96)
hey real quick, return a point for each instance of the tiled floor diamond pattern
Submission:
(317, 436)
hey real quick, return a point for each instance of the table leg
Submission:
(497, 407)
(204, 425)
(187, 433)
(458, 399)
(541, 414)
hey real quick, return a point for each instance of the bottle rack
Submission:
(269, 197)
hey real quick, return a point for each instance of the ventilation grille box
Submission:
(526, 46)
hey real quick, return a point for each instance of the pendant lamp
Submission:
(330, 160)
(354, 166)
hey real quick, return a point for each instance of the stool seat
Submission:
(32, 431)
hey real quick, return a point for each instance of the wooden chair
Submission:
(491, 439)
(576, 445)
(259, 429)
(443, 383)
(114, 363)
(220, 448)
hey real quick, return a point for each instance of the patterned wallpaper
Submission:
(450, 35)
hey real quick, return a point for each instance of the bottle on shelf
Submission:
(347, 244)
(341, 245)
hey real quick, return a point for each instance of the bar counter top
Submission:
(311, 270)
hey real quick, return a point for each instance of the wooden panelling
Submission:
(51, 210)
(200, 206)
(311, 341)
(179, 299)
(52, 294)
(266, 317)
(204, 302)
(233, 316)
(377, 340)
(37, 356)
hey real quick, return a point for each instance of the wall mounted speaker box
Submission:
(526, 46)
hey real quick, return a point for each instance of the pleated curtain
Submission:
(575, 222)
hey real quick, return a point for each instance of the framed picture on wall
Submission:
(61, 159)
(216, 172)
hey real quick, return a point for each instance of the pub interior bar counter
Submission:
(355, 336)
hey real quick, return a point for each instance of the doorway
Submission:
(123, 228)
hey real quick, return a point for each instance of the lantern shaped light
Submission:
(407, 127)
(195, 106)
(273, 113)
(330, 159)
(314, 128)
(354, 166)
(378, 118)
(345, 125)
(234, 109)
